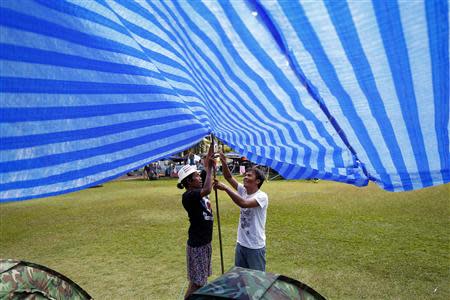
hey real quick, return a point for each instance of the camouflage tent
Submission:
(241, 283)
(25, 280)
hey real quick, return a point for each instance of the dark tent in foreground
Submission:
(241, 283)
(25, 280)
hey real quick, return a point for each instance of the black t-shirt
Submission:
(200, 216)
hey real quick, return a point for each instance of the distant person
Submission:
(174, 170)
(168, 171)
(146, 171)
(190, 159)
(196, 203)
(251, 237)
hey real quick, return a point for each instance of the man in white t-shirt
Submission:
(251, 236)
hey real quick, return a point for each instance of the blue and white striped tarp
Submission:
(349, 91)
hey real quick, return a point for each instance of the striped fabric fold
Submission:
(345, 91)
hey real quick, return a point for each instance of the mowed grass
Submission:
(126, 239)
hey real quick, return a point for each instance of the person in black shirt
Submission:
(196, 203)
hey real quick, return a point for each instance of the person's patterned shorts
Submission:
(199, 265)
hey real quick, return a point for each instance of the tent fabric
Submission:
(26, 280)
(246, 284)
(346, 91)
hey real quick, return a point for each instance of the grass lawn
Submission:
(126, 239)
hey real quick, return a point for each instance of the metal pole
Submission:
(217, 212)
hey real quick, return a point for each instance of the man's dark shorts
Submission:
(250, 258)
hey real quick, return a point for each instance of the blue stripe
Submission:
(26, 114)
(264, 16)
(45, 86)
(282, 153)
(343, 23)
(55, 159)
(26, 141)
(104, 150)
(306, 33)
(389, 22)
(438, 32)
(300, 173)
(24, 22)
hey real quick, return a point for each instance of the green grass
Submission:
(126, 240)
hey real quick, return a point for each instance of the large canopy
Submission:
(347, 91)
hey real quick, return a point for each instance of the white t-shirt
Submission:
(252, 221)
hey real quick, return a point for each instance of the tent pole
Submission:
(217, 212)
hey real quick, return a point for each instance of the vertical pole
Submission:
(217, 213)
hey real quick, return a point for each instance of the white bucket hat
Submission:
(185, 171)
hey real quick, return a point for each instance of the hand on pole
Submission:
(209, 159)
(223, 159)
(219, 186)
